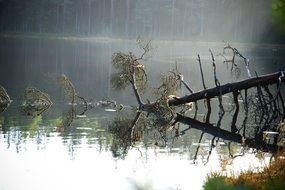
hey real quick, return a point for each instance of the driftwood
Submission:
(230, 87)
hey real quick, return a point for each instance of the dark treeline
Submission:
(207, 20)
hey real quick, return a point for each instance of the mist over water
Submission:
(191, 20)
(41, 40)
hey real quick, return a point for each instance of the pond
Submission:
(37, 153)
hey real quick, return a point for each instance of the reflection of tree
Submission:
(77, 105)
(124, 134)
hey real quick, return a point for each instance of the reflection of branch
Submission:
(234, 156)
(246, 113)
(233, 126)
(217, 83)
(272, 103)
(198, 147)
(226, 135)
(67, 119)
(133, 126)
(210, 151)
(208, 115)
(282, 102)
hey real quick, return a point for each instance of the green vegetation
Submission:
(33, 126)
(126, 65)
(278, 13)
(271, 177)
(217, 182)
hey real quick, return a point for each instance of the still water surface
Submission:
(35, 155)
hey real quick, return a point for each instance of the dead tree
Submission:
(263, 80)
(167, 108)
(77, 105)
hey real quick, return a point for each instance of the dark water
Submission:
(35, 154)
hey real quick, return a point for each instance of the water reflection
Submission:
(102, 142)
(90, 164)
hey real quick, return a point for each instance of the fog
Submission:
(41, 40)
(191, 20)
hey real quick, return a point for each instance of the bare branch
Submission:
(201, 71)
(230, 87)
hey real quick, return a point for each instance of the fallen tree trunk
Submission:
(258, 144)
(230, 87)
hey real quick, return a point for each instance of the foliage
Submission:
(217, 182)
(126, 65)
(35, 102)
(168, 86)
(67, 87)
(120, 129)
(272, 177)
(72, 96)
(278, 13)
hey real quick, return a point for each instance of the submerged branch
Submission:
(233, 126)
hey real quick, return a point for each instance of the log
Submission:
(230, 87)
